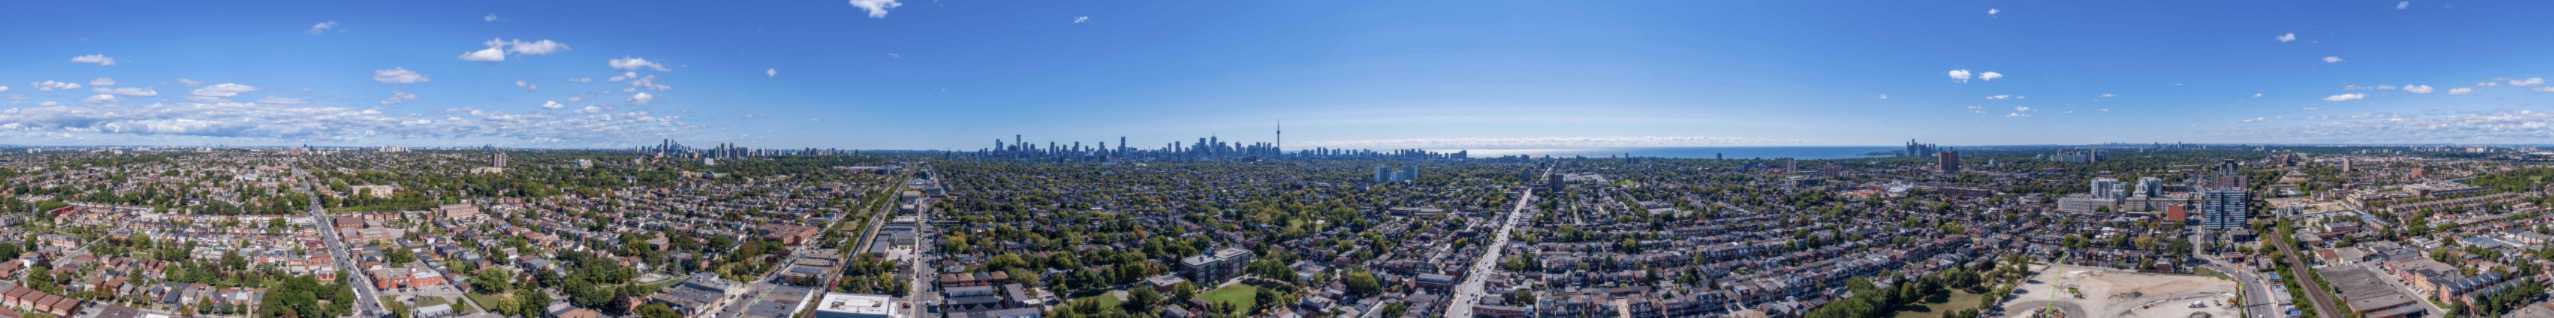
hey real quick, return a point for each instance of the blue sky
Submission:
(1478, 74)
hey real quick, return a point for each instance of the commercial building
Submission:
(1948, 161)
(2224, 201)
(2107, 188)
(2224, 209)
(840, 305)
(1214, 268)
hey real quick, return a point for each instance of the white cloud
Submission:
(1989, 76)
(2344, 97)
(1884, 96)
(4, 88)
(2105, 95)
(771, 72)
(189, 82)
(552, 104)
(99, 59)
(542, 47)
(2505, 126)
(2548, 89)
(590, 109)
(1999, 97)
(1974, 109)
(2019, 112)
(527, 86)
(2331, 59)
(496, 49)
(2256, 94)
(397, 97)
(398, 75)
(128, 91)
(641, 98)
(647, 82)
(2287, 37)
(1081, 19)
(2417, 89)
(283, 123)
(2256, 119)
(490, 54)
(491, 17)
(2402, 5)
(2525, 82)
(223, 90)
(323, 27)
(280, 100)
(1961, 75)
(1992, 11)
(102, 81)
(632, 63)
(2461, 91)
(99, 99)
(55, 86)
(876, 8)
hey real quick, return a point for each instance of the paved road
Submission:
(2254, 289)
(770, 277)
(868, 235)
(918, 292)
(369, 300)
(1470, 292)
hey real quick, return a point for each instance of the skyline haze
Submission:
(1501, 74)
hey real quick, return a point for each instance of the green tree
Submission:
(658, 311)
(531, 302)
(1141, 300)
(492, 280)
(41, 278)
(398, 309)
(397, 255)
(1361, 283)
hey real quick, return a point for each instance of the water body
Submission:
(1760, 152)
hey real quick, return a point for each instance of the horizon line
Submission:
(1447, 149)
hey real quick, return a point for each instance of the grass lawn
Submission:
(662, 284)
(1240, 296)
(1105, 299)
(1960, 300)
(487, 299)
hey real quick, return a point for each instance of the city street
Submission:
(768, 280)
(1470, 292)
(2255, 290)
(369, 299)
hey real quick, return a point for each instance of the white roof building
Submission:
(840, 305)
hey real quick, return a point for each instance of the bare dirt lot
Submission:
(2079, 291)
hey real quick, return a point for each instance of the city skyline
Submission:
(883, 74)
